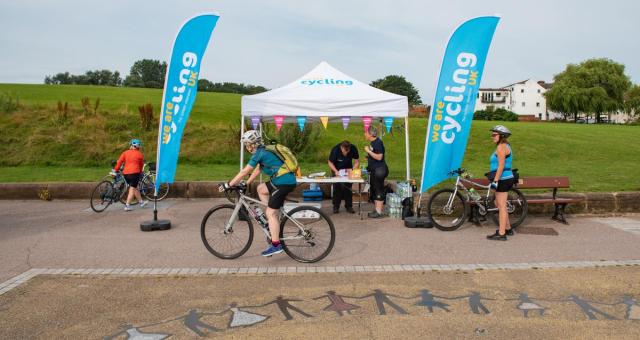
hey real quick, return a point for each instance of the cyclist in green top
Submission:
(272, 193)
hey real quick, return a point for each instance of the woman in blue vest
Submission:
(272, 193)
(501, 164)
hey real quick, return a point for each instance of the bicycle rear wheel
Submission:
(149, 188)
(517, 207)
(226, 244)
(446, 210)
(308, 235)
(102, 196)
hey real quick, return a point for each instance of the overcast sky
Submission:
(271, 43)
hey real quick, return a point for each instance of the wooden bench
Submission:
(554, 183)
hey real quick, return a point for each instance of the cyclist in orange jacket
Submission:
(133, 162)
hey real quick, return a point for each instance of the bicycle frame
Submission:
(245, 201)
(459, 185)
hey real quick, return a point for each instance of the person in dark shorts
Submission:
(272, 193)
(378, 170)
(501, 171)
(133, 161)
(342, 157)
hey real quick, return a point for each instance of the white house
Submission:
(525, 98)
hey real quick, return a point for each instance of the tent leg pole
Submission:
(241, 148)
(406, 142)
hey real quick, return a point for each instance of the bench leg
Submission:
(558, 215)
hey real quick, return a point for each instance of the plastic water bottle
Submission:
(474, 194)
(261, 218)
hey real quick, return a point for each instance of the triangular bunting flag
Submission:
(255, 121)
(279, 120)
(325, 121)
(301, 121)
(388, 123)
(345, 122)
(367, 123)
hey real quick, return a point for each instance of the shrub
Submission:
(8, 104)
(301, 143)
(498, 114)
(146, 116)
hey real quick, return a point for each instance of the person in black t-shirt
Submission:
(378, 170)
(343, 156)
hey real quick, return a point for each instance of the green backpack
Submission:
(289, 161)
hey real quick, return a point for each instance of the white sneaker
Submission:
(143, 204)
(127, 207)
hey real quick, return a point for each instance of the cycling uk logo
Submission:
(326, 82)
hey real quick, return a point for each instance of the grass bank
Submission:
(38, 144)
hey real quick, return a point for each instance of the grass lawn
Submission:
(36, 147)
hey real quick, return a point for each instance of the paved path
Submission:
(63, 234)
(578, 303)
(101, 276)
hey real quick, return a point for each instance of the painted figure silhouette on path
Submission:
(284, 306)
(193, 322)
(475, 302)
(382, 298)
(338, 304)
(633, 307)
(588, 309)
(427, 300)
(526, 305)
(241, 318)
(132, 333)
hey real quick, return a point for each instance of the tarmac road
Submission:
(67, 234)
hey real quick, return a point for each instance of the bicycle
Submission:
(307, 234)
(114, 187)
(448, 208)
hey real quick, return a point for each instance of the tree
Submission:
(228, 87)
(97, 77)
(398, 85)
(632, 101)
(595, 86)
(147, 73)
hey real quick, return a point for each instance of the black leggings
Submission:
(378, 176)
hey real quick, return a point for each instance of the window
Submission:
(522, 91)
(498, 94)
(522, 104)
(538, 90)
(540, 116)
(537, 104)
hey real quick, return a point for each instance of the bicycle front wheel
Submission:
(307, 234)
(447, 209)
(102, 196)
(517, 207)
(226, 243)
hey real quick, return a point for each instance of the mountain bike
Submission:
(307, 234)
(449, 208)
(114, 187)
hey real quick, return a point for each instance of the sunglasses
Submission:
(495, 134)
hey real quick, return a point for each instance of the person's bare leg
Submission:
(136, 192)
(379, 206)
(274, 224)
(263, 193)
(130, 195)
(503, 215)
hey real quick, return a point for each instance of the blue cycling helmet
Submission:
(136, 142)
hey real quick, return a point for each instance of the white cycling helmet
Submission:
(502, 130)
(251, 137)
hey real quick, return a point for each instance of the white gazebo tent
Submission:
(326, 92)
